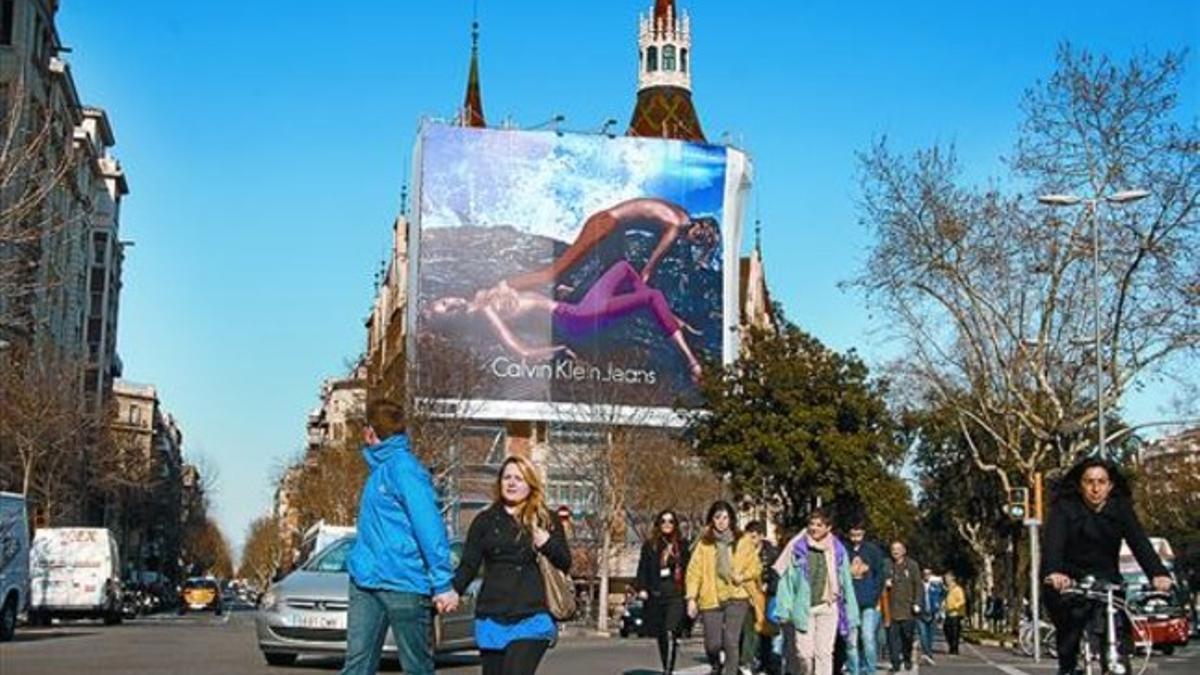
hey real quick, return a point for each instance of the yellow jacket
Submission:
(702, 582)
(956, 602)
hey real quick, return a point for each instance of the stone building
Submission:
(60, 256)
(146, 498)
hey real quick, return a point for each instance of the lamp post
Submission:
(1122, 197)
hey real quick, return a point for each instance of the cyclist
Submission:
(1091, 513)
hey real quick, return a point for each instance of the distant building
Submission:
(145, 506)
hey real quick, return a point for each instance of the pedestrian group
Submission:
(760, 608)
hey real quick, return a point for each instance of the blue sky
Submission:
(266, 144)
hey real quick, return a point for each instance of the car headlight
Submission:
(269, 599)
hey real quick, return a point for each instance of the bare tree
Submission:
(991, 294)
(39, 203)
(262, 554)
(43, 429)
(618, 427)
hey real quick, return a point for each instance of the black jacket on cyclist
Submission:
(1081, 542)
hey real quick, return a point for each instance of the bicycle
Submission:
(1025, 637)
(1096, 591)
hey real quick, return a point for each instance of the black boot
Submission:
(672, 650)
(664, 651)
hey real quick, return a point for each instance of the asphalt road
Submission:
(204, 644)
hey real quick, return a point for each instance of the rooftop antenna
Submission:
(553, 123)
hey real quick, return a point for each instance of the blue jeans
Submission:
(410, 617)
(862, 661)
(925, 634)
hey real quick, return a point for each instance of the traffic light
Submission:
(1018, 503)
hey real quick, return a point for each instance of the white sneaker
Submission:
(928, 659)
(745, 671)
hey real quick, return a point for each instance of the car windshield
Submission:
(333, 558)
(201, 583)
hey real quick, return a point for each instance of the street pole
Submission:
(1122, 197)
(1035, 564)
(1091, 208)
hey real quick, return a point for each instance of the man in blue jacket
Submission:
(866, 567)
(399, 567)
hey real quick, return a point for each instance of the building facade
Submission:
(145, 505)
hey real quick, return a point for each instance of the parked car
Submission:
(14, 562)
(201, 593)
(74, 572)
(1162, 619)
(305, 612)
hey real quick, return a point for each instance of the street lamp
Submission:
(1122, 197)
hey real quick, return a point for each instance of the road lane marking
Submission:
(1002, 667)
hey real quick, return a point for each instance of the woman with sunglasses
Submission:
(660, 583)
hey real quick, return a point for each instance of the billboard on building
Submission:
(561, 276)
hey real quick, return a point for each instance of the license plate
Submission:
(321, 622)
(198, 605)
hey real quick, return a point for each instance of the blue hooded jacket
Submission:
(401, 544)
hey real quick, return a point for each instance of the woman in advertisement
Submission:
(671, 220)
(618, 293)
(513, 626)
(721, 563)
(660, 583)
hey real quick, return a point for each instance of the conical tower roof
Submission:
(472, 110)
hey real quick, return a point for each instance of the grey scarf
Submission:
(724, 555)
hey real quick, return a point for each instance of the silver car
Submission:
(305, 612)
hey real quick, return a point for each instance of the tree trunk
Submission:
(605, 565)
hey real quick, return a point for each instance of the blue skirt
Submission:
(491, 634)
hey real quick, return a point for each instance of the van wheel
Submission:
(1168, 650)
(8, 620)
(278, 659)
(112, 618)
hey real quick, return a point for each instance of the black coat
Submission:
(1080, 542)
(513, 588)
(664, 610)
(651, 570)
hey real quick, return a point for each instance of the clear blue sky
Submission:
(266, 142)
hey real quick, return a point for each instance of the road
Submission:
(203, 645)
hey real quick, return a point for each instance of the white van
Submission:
(74, 572)
(14, 562)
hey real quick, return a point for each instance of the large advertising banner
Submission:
(566, 276)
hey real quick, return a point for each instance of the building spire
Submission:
(664, 101)
(472, 110)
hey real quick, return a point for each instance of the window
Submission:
(683, 60)
(669, 57)
(97, 282)
(93, 329)
(135, 415)
(651, 59)
(6, 22)
(99, 247)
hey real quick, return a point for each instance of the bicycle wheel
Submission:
(1049, 641)
(1025, 639)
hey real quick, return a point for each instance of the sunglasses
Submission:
(664, 521)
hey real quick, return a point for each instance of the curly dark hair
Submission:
(1068, 486)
